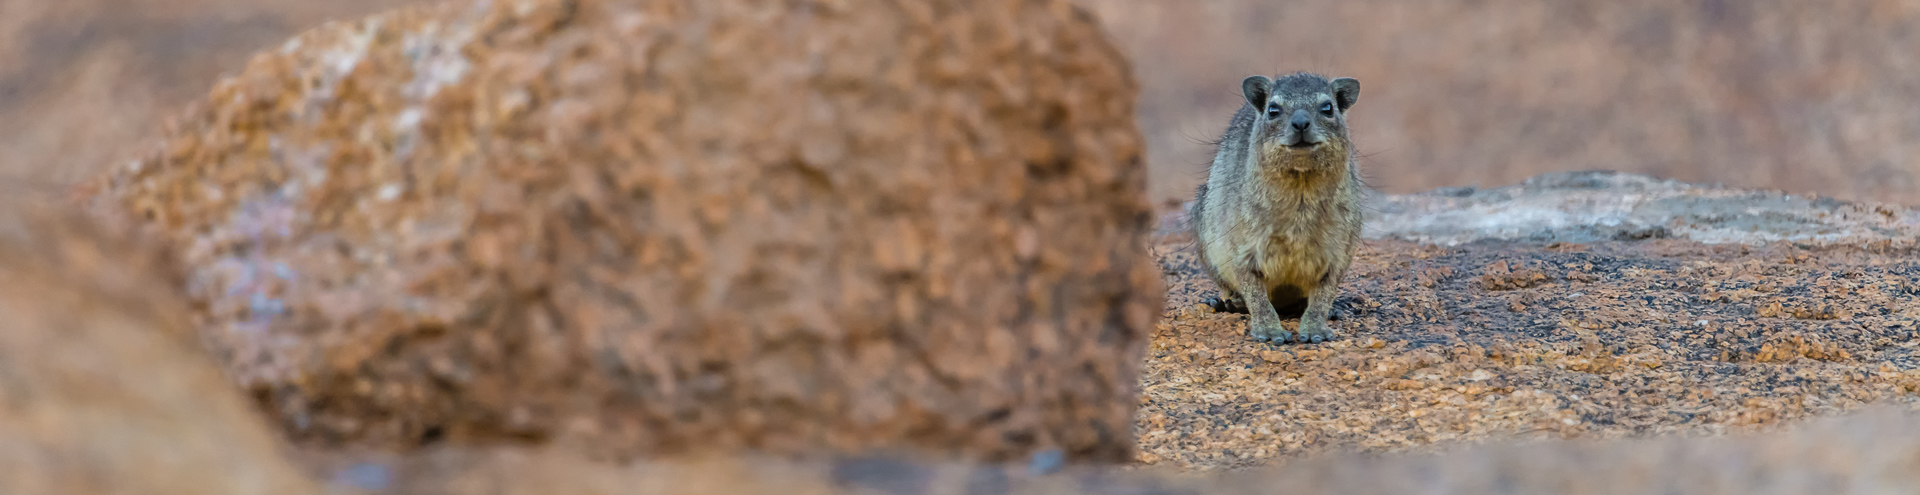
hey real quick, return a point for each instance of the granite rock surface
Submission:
(642, 228)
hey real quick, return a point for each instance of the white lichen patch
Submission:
(435, 58)
(389, 192)
(1596, 206)
(339, 61)
(435, 55)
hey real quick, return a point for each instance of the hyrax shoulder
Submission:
(1278, 219)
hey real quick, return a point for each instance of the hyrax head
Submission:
(1300, 116)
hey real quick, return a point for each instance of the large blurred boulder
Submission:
(663, 226)
(101, 388)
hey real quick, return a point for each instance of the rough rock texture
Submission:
(1749, 309)
(101, 388)
(663, 226)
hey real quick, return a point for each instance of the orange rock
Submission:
(650, 228)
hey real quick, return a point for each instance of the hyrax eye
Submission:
(1327, 109)
(1273, 110)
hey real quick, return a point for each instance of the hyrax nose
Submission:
(1300, 121)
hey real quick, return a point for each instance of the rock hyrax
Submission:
(1279, 216)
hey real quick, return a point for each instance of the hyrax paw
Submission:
(1315, 333)
(1225, 305)
(1274, 333)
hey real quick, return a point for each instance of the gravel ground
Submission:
(1499, 339)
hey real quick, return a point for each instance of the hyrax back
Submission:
(1279, 216)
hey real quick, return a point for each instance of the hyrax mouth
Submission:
(1301, 151)
(1301, 145)
(1301, 141)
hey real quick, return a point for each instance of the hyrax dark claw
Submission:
(1221, 305)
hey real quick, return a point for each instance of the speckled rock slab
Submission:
(657, 227)
(1583, 207)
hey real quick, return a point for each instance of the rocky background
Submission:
(1770, 94)
(1571, 332)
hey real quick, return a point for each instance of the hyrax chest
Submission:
(1283, 241)
(1297, 250)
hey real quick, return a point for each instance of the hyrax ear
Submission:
(1256, 88)
(1346, 91)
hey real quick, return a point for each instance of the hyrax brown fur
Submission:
(1279, 217)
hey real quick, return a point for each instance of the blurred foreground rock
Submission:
(1865, 453)
(661, 227)
(1871, 452)
(102, 388)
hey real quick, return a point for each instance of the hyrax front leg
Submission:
(1263, 323)
(1313, 323)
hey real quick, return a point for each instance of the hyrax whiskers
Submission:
(1278, 219)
